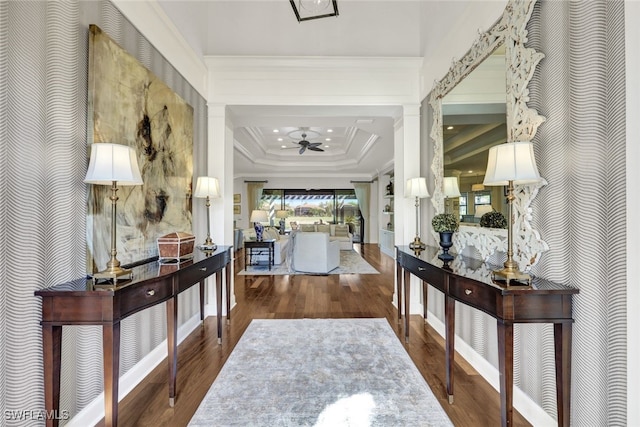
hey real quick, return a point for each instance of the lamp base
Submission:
(511, 276)
(208, 248)
(417, 244)
(113, 273)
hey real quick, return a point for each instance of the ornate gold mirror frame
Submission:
(522, 124)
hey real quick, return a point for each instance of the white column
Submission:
(407, 165)
(220, 165)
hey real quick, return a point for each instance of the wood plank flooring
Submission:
(200, 358)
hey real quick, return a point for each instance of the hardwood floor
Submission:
(200, 358)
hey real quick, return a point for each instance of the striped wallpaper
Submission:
(43, 160)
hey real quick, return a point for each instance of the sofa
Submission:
(314, 252)
(337, 232)
(280, 247)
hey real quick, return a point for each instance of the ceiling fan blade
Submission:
(302, 150)
(315, 148)
(315, 144)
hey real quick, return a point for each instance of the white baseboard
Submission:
(91, 414)
(521, 402)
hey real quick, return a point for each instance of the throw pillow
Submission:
(307, 227)
(342, 231)
(324, 228)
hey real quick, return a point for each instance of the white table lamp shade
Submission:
(113, 162)
(481, 210)
(207, 187)
(450, 187)
(417, 187)
(259, 216)
(281, 214)
(512, 161)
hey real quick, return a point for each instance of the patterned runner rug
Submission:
(319, 372)
(350, 263)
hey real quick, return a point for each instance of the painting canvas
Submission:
(129, 105)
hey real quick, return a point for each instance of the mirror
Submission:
(474, 119)
(509, 34)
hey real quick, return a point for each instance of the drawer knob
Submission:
(468, 291)
(203, 269)
(421, 269)
(151, 292)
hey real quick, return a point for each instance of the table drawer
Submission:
(478, 295)
(137, 297)
(427, 272)
(194, 274)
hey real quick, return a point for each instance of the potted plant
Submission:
(493, 220)
(445, 224)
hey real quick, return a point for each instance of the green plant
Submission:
(445, 222)
(493, 220)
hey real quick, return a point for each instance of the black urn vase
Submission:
(446, 242)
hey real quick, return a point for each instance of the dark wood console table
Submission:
(469, 282)
(80, 302)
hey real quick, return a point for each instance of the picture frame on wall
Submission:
(236, 198)
(236, 209)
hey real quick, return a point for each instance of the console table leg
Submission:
(51, 345)
(219, 304)
(562, 333)
(450, 335)
(424, 300)
(227, 281)
(399, 290)
(111, 366)
(407, 303)
(202, 290)
(172, 346)
(505, 362)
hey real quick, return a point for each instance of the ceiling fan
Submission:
(304, 144)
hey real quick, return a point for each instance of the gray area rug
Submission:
(350, 263)
(319, 372)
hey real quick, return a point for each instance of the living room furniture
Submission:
(314, 252)
(468, 281)
(337, 232)
(252, 247)
(280, 246)
(80, 302)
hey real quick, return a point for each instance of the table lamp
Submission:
(207, 187)
(113, 164)
(282, 214)
(450, 187)
(508, 164)
(257, 217)
(417, 187)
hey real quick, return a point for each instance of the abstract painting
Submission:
(129, 105)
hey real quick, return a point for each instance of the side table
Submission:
(251, 245)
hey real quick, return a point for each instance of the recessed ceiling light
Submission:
(279, 139)
(449, 127)
(283, 146)
(469, 171)
(327, 139)
(276, 131)
(326, 146)
(329, 130)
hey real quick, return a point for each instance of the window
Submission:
(463, 205)
(311, 206)
(482, 199)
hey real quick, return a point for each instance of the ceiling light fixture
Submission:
(306, 10)
(327, 139)
(449, 127)
(329, 130)
(276, 131)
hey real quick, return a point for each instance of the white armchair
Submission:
(315, 253)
